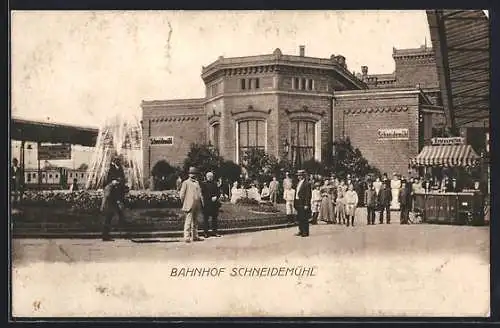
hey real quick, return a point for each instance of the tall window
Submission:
(303, 84)
(257, 84)
(302, 141)
(214, 135)
(243, 82)
(251, 134)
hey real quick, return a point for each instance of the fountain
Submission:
(122, 136)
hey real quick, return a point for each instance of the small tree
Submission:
(229, 170)
(259, 164)
(203, 157)
(164, 175)
(312, 166)
(350, 160)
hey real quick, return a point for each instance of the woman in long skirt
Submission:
(333, 198)
(325, 210)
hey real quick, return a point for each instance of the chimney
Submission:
(302, 51)
(364, 70)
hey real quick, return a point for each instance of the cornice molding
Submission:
(304, 110)
(387, 109)
(252, 110)
(175, 118)
(214, 116)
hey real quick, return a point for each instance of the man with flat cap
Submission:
(211, 200)
(302, 203)
(113, 197)
(192, 204)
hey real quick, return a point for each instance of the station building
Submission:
(295, 106)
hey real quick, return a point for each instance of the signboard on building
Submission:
(393, 134)
(448, 141)
(54, 152)
(162, 140)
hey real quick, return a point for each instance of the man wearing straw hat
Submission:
(192, 204)
(302, 203)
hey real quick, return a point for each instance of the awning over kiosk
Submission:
(447, 156)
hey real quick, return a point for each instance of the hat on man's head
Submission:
(192, 170)
(301, 172)
(209, 174)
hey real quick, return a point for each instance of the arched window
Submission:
(251, 134)
(215, 135)
(302, 141)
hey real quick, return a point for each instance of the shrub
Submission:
(91, 200)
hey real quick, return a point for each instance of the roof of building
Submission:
(461, 43)
(174, 102)
(27, 130)
(336, 63)
(423, 50)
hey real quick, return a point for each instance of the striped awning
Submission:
(447, 156)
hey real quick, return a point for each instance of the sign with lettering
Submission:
(54, 152)
(448, 141)
(393, 134)
(162, 140)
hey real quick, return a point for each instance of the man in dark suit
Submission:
(211, 201)
(15, 180)
(404, 202)
(302, 203)
(384, 202)
(114, 196)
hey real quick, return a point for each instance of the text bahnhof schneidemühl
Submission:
(298, 271)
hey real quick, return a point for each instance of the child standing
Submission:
(315, 203)
(351, 202)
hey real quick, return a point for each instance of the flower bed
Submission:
(89, 201)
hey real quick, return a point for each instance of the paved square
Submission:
(389, 270)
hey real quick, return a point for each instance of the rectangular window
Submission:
(214, 136)
(302, 141)
(303, 84)
(257, 84)
(310, 84)
(251, 134)
(243, 81)
(296, 85)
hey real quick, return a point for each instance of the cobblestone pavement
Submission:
(390, 270)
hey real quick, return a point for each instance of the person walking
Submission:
(113, 197)
(211, 200)
(192, 204)
(384, 202)
(351, 201)
(315, 203)
(302, 203)
(371, 203)
(326, 213)
(404, 202)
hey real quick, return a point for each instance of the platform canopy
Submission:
(446, 156)
(461, 42)
(33, 131)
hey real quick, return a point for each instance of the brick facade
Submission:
(180, 119)
(279, 89)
